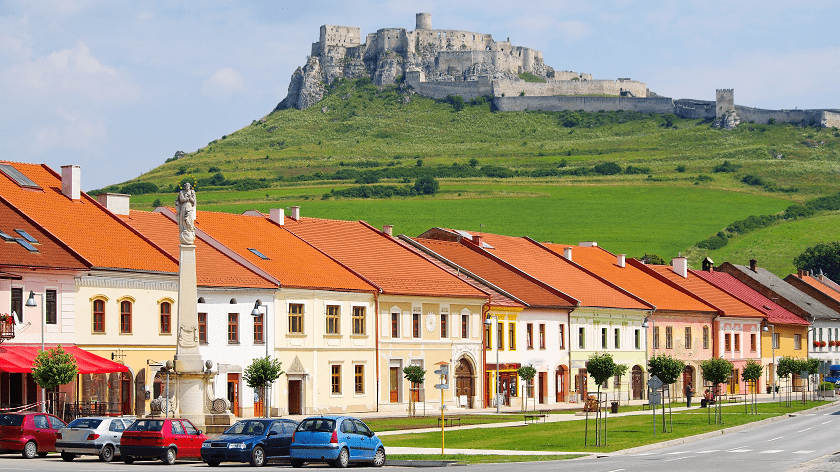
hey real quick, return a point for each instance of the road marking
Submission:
(708, 452)
(675, 453)
(739, 450)
(802, 452)
(780, 437)
(616, 470)
(803, 430)
(829, 421)
(772, 451)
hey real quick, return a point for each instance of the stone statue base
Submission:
(192, 395)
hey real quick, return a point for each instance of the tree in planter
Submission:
(54, 367)
(716, 371)
(751, 373)
(668, 370)
(600, 367)
(526, 373)
(414, 374)
(262, 372)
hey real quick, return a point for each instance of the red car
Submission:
(161, 438)
(29, 433)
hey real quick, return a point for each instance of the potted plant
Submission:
(816, 344)
(822, 344)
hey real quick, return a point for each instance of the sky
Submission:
(118, 87)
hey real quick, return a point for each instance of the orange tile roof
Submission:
(728, 304)
(82, 225)
(213, 268)
(634, 278)
(391, 266)
(819, 285)
(496, 272)
(545, 265)
(50, 253)
(290, 260)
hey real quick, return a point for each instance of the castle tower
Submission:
(724, 101)
(424, 21)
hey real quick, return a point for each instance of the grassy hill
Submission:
(635, 182)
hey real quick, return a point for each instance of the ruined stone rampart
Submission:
(466, 89)
(569, 87)
(826, 118)
(588, 104)
(694, 109)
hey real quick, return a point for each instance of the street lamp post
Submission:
(255, 313)
(31, 302)
(498, 384)
(773, 347)
(653, 328)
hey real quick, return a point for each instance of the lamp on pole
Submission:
(31, 302)
(645, 326)
(487, 322)
(257, 313)
(772, 329)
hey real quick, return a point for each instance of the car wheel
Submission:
(30, 450)
(296, 463)
(169, 456)
(379, 458)
(343, 459)
(67, 456)
(128, 459)
(213, 463)
(107, 453)
(258, 457)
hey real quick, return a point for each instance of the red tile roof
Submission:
(376, 256)
(213, 268)
(290, 260)
(82, 225)
(726, 282)
(634, 278)
(728, 304)
(50, 253)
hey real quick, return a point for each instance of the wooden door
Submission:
(560, 381)
(233, 393)
(464, 383)
(638, 384)
(125, 393)
(543, 387)
(582, 384)
(733, 381)
(294, 397)
(395, 385)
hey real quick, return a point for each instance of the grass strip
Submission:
(479, 459)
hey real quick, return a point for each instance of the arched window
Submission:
(98, 315)
(165, 318)
(125, 317)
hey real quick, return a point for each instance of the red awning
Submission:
(19, 358)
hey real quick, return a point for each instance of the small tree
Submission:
(751, 373)
(426, 185)
(526, 373)
(414, 374)
(668, 370)
(54, 367)
(716, 371)
(262, 372)
(620, 370)
(600, 367)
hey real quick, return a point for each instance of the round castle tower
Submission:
(424, 21)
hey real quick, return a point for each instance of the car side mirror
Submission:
(198, 433)
(371, 434)
(273, 433)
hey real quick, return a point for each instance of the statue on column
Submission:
(185, 205)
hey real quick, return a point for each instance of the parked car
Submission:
(255, 441)
(30, 434)
(336, 440)
(96, 436)
(161, 438)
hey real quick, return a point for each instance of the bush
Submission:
(213, 169)
(250, 184)
(571, 120)
(637, 170)
(607, 168)
(139, 188)
(456, 101)
(156, 203)
(752, 180)
(680, 168)
(426, 185)
(725, 167)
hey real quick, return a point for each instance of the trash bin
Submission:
(614, 407)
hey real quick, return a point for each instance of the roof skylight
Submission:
(17, 176)
(26, 236)
(258, 253)
(6, 237)
(25, 244)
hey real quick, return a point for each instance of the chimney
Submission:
(621, 258)
(588, 244)
(388, 230)
(296, 213)
(753, 264)
(116, 203)
(800, 273)
(277, 215)
(477, 240)
(567, 253)
(71, 182)
(680, 265)
(707, 264)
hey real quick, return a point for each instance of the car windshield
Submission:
(85, 423)
(322, 425)
(11, 420)
(146, 425)
(249, 427)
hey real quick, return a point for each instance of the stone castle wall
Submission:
(569, 87)
(588, 104)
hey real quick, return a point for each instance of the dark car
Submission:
(255, 441)
(30, 434)
(336, 440)
(161, 438)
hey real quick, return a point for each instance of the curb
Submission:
(419, 463)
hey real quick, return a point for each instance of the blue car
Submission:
(336, 440)
(255, 441)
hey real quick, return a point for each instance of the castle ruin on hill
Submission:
(437, 63)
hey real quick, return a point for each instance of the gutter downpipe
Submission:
(376, 317)
(485, 309)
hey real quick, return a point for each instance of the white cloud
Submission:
(224, 82)
(73, 131)
(13, 46)
(573, 29)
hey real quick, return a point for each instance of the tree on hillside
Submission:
(426, 185)
(54, 367)
(262, 372)
(823, 257)
(653, 259)
(415, 375)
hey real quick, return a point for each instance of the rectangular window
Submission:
(617, 339)
(797, 341)
(99, 316)
(52, 308)
(415, 325)
(752, 343)
(296, 318)
(125, 317)
(821, 330)
(705, 337)
(233, 328)
(395, 325)
(202, 328)
(669, 337)
(529, 336)
(465, 326)
(542, 335)
(359, 379)
(581, 338)
(561, 331)
(258, 330)
(737, 342)
(727, 342)
(656, 337)
(444, 327)
(688, 339)
(512, 336)
(638, 339)
(333, 315)
(165, 317)
(776, 340)
(17, 302)
(605, 344)
(335, 380)
(500, 335)
(359, 315)
(488, 331)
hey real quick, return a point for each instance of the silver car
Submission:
(95, 435)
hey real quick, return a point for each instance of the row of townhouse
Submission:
(346, 307)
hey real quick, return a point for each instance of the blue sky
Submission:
(117, 87)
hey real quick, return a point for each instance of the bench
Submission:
(449, 422)
(530, 419)
(733, 398)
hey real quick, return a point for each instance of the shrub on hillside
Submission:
(139, 188)
(725, 167)
(752, 180)
(426, 185)
(607, 168)
(637, 170)
(250, 184)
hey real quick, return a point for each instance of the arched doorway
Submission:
(688, 377)
(465, 381)
(126, 389)
(638, 383)
(560, 382)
